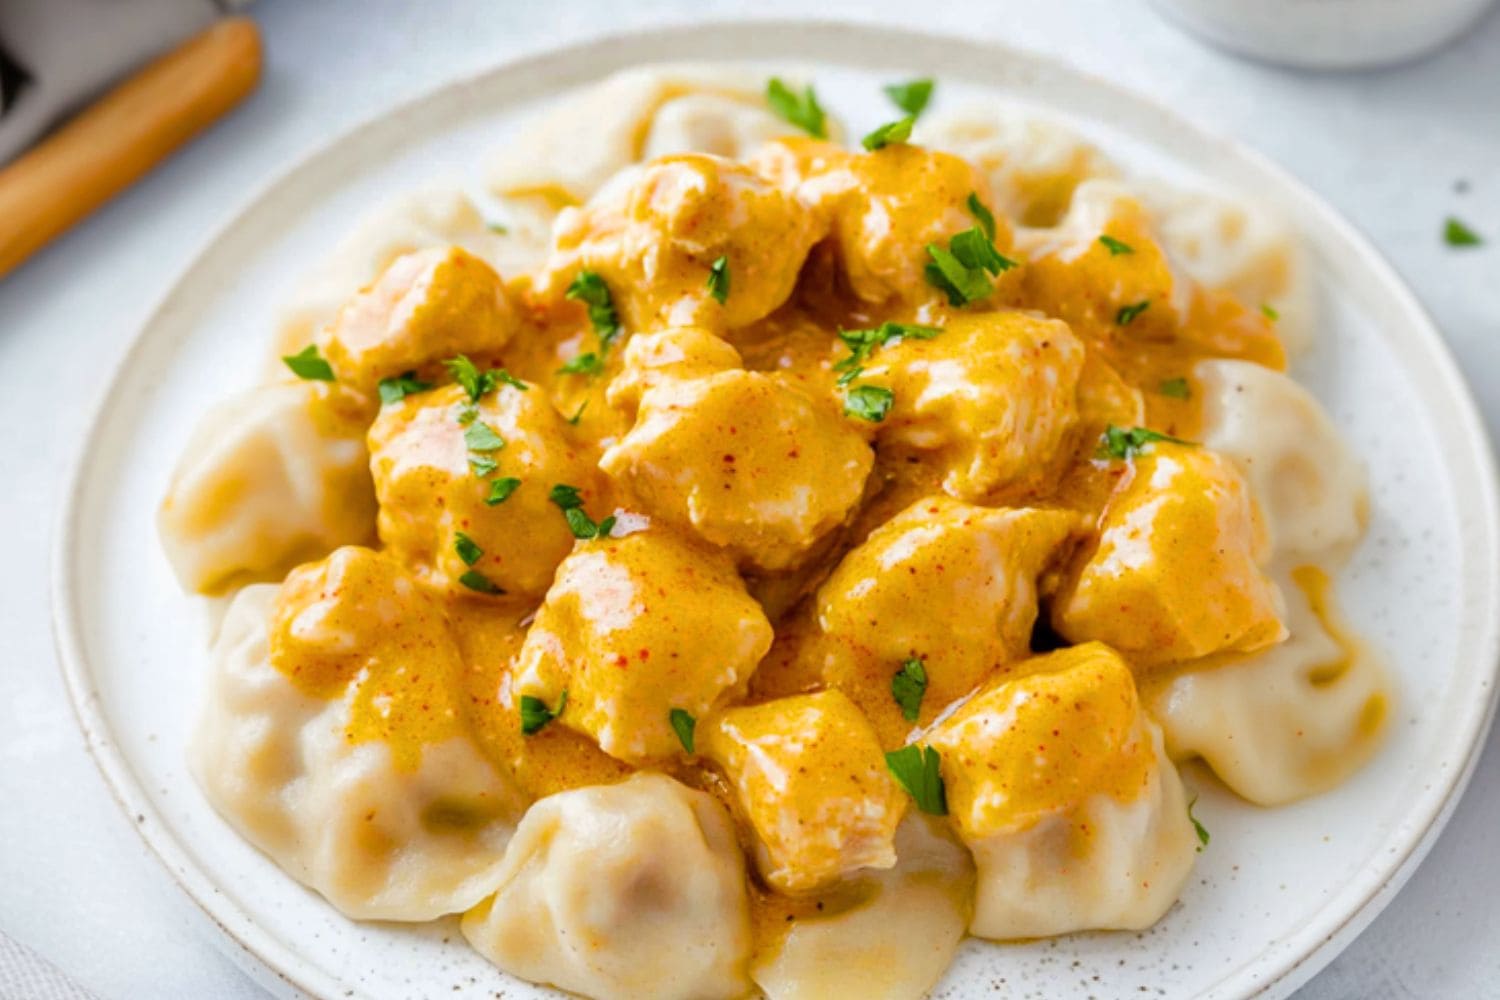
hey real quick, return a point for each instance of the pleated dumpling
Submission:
(330, 740)
(270, 477)
(618, 892)
(1057, 781)
(882, 935)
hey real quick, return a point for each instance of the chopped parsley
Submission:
(862, 344)
(869, 402)
(482, 465)
(1177, 388)
(911, 96)
(584, 364)
(683, 725)
(309, 364)
(535, 714)
(1198, 828)
(500, 490)
(398, 387)
(974, 249)
(498, 228)
(718, 279)
(1127, 314)
(468, 550)
(591, 290)
(982, 215)
(578, 413)
(1269, 312)
(908, 685)
(506, 378)
(963, 270)
(482, 437)
(1123, 443)
(479, 583)
(1455, 234)
(467, 374)
(1115, 247)
(896, 131)
(801, 110)
(918, 769)
(567, 499)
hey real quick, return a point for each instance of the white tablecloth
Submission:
(1396, 151)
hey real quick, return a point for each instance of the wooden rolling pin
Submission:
(124, 134)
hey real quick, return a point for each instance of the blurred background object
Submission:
(1328, 34)
(55, 55)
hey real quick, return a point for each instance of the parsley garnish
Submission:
(478, 582)
(1126, 314)
(1269, 312)
(505, 377)
(683, 724)
(482, 437)
(578, 413)
(1123, 443)
(468, 550)
(1115, 247)
(482, 465)
(896, 131)
(467, 374)
(1177, 388)
(535, 714)
(869, 402)
(911, 96)
(1456, 234)
(309, 364)
(500, 490)
(1198, 827)
(862, 344)
(591, 290)
(908, 685)
(918, 769)
(961, 270)
(585, 364)
(398, 387)
(983, 215)
(801, 110)
(718, 279)
(566, 497)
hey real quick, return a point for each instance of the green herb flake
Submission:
(1198, 828)
(911, 96)
(1127, 314)
(467, 414)
(506, 378)
(479, 583)
(566, 497)
(947, 273)
(398, 387)
(976, 250)
(1123, 443)
(590, 289)
(584, 364)
(908, 685)
(1176, 388)
(683, 725)
(482, 437)
(862, 343)
(578, 413)
(467, 374)
(482, 465)
(1269, 312)
(891, 132)
(918, 769)
(983, 215)
(718, 280)
(801, 110)
(500, 490)
(1456, 234)
(869, 402)
(468, 550)
(309, 364)
(535, 714)
(498, 228)
(1116, 247)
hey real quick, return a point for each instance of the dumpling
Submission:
(329, 739)
(1176, 572)
(810, 779)
(437, 476)
(1289, 721)
(654, 234)
(635, 627)
(270, 477)
(1033, 164)
(426, 306)
(1309, 485)
(879, 935)
(988, 401)
(431, 218)
(1057, 781)
(634, 891)
(744, 461)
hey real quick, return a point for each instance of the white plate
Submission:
(1277, 893)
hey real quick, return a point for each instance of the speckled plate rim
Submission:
(1435, 377)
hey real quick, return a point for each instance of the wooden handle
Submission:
(126, 133)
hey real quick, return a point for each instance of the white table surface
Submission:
(1396, 151)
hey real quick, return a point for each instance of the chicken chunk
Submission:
(654, 235)
(683, 352)
(746, 462)
(638, 626)
(437, 476)
(1176, 572)
(990, 400)
(810, 778)
(426, 306)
